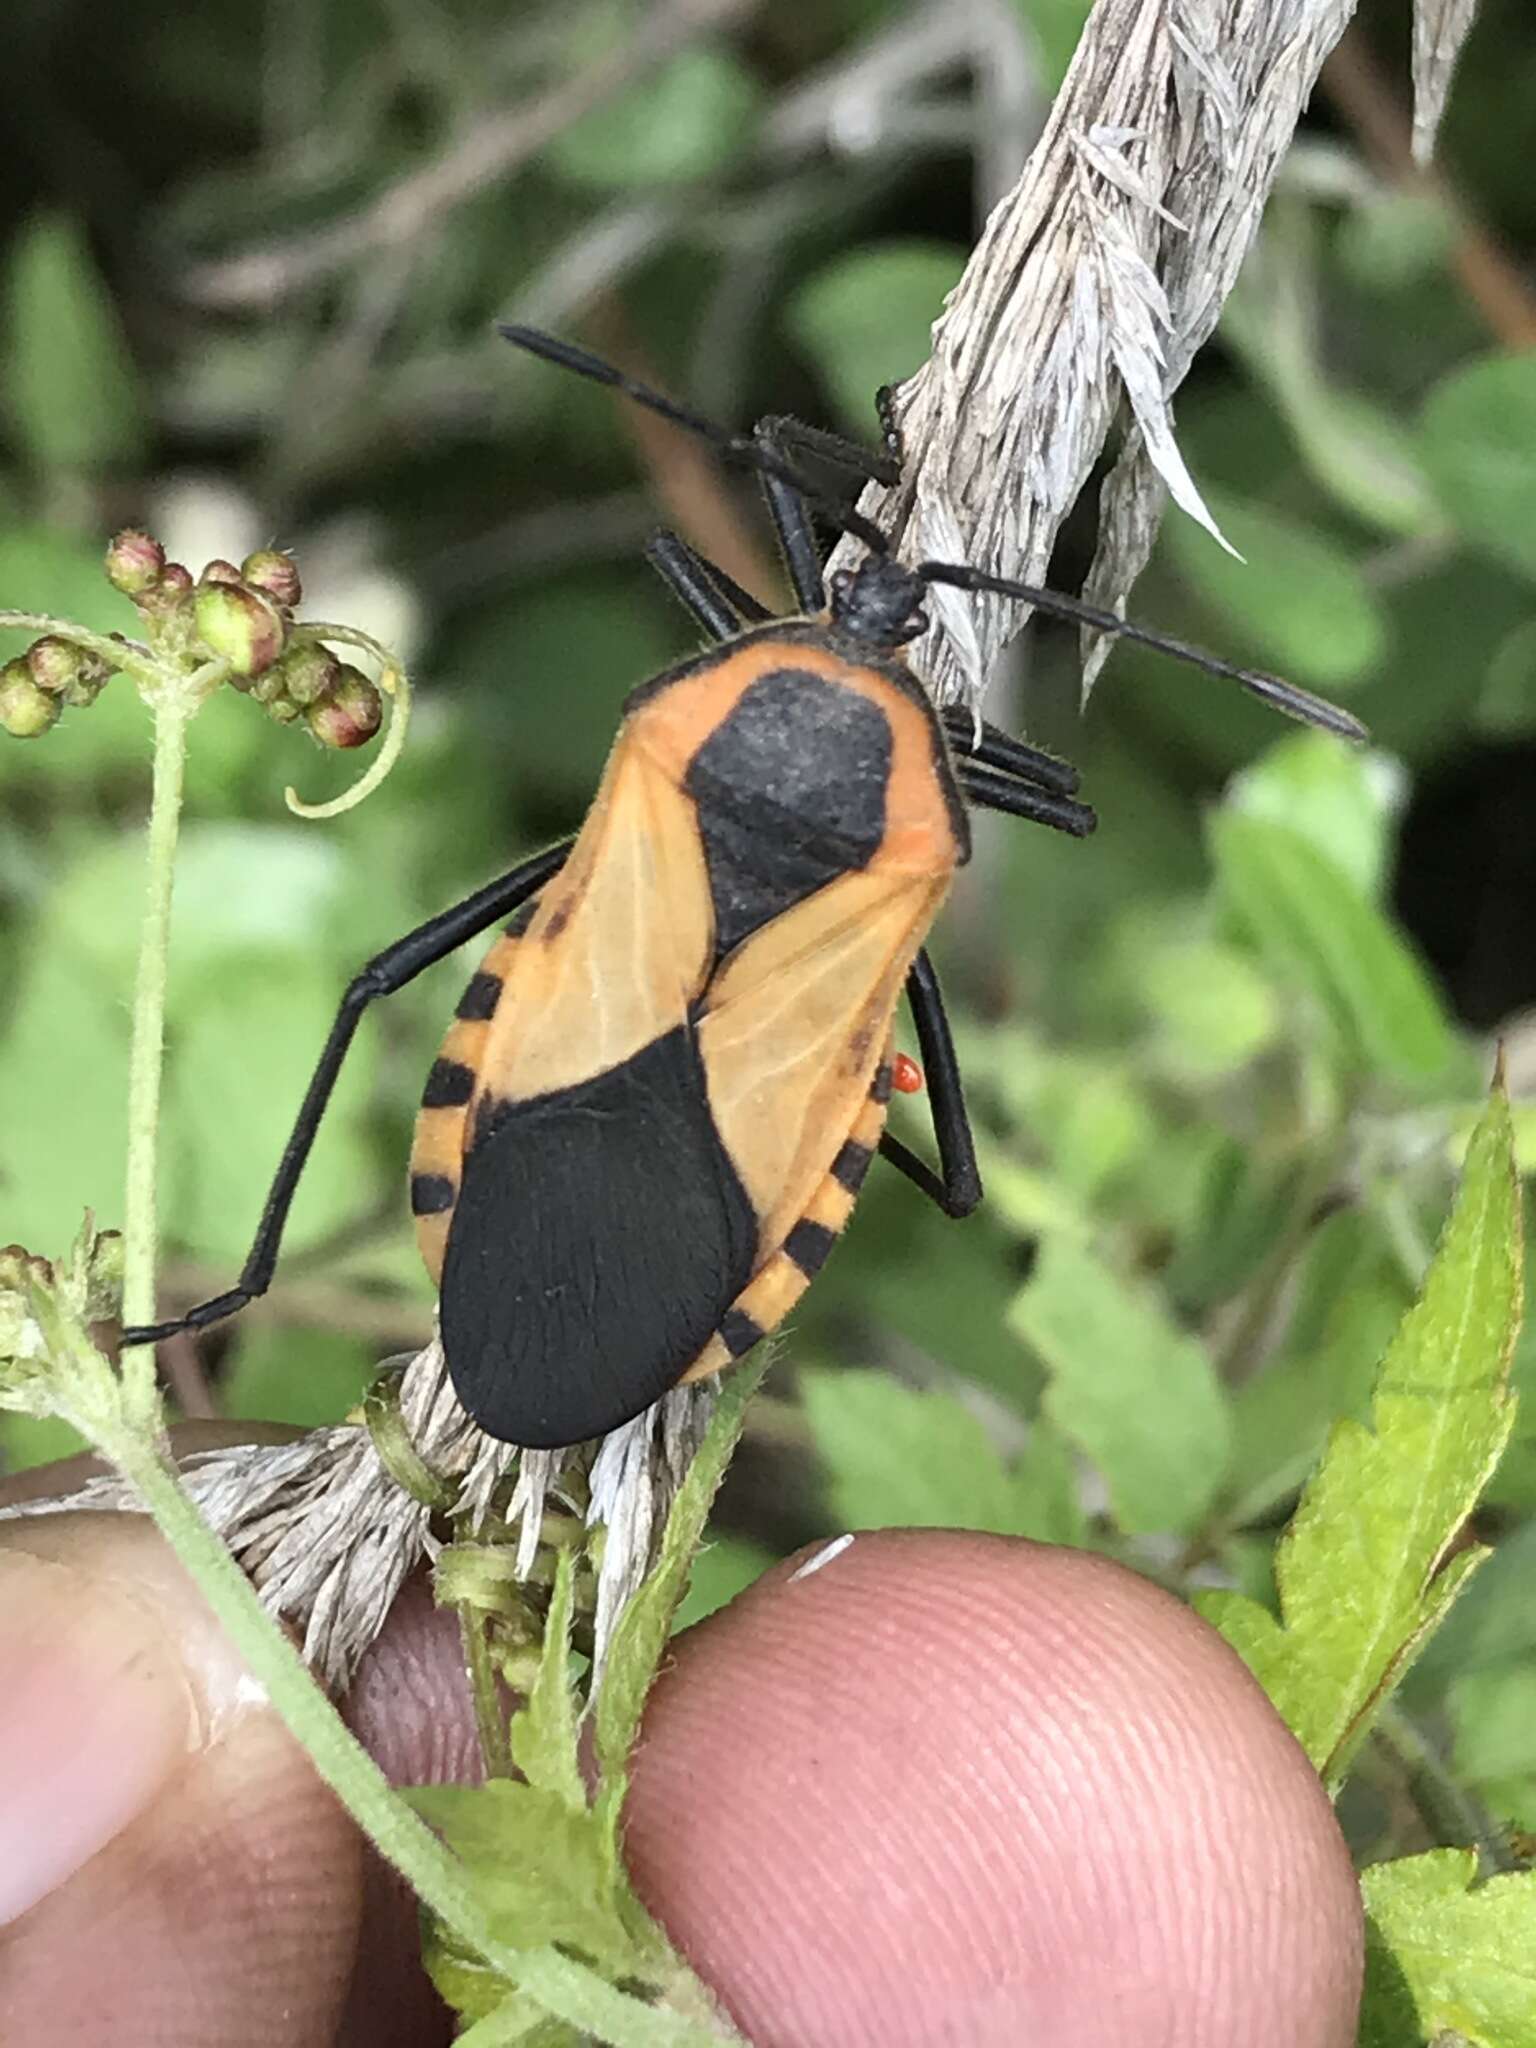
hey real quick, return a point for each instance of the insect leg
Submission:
(990, 791)
(716, 600)
(383, 975)
(995, 748)
(956, 1187)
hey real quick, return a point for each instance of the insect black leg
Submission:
(994, 748)
(383, 975)
(956, 1187)
(793, 437)
(716, 600)
(990, 791)
(797, 540)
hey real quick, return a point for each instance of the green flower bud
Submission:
(26, 709)
(65, 670)
(350, 714)
(309, 672)
(239, 624)
(134, 562)
(282, 711)
(270, 570)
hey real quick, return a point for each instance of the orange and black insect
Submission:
(662, 1089)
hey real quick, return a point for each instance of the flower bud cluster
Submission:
(244, 616)
(35, 687)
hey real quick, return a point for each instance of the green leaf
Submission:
(864, 318)
(1362, 1570)
(1318, 934)
(1343, 800)
(1349, 1296)
(306, 1377)
(1127, 1386)
(640, 1638)
(724, 1567)
(72, 390)
(545, 1737)
(899, 1457)
(1477, 438)
(28, 1440)
(686, 121)
(1443, 1954)
(1213, 1010)
(240, 1060)
(1506, 708)
(63, 1072)
(538, 1866)
(1493, 1622)
(1295, 594)
(1493, 1714)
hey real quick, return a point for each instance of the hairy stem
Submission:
(144, 1062)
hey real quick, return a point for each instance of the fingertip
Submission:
(959, 1788)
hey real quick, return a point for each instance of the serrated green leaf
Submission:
(539, 1868)
(1362, 1570)
(545, 1740)
(1494, 1622)
(1295, 594)
(864, 318)
(903, 1457)
(1442, 1953)
(1127, 1386)
(640, 1638)
(1477, 440)
(686, 121)
(1318, 934)
(72, 391)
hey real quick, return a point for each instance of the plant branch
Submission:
(1503, 296)
(171, 712)
(488, 149)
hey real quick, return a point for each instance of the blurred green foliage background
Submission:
(1222, 1055)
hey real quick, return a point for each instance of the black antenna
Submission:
(738, 447)
(1273, 690)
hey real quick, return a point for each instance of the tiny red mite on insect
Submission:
(906, 1075)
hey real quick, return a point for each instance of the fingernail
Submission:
(96, 1713)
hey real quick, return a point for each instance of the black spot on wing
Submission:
(739, 1332)
(449, 1085)
(808, 1245)
(431, 1194)
(851, 1165)
(480, 998)
(790, 789)
(600, 1236)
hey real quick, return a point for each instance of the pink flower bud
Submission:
(65, 670)
(309, 673)
(270, 570)
(220, 571)
(350, 714)
(239, 624)
(134, 562)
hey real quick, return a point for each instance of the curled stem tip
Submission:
(395, 685)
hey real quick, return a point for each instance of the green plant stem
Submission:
(1450, 1812)
(490, 1716)
(565, 1988)
(172, 711)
